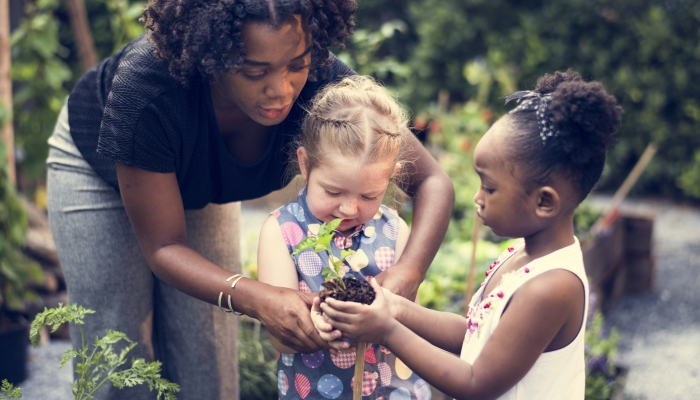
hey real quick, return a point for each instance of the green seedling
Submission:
(9, 392)
(322, 242)
(103, 363)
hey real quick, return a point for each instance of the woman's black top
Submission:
(128, 108)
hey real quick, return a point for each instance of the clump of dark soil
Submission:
(355, 290)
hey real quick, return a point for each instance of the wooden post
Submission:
(469, 292)
(359, 371)
(6, 87)
(82, 33)
(611, 213)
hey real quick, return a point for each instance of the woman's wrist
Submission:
(250, 295)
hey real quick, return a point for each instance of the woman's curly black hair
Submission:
(586, 118)
(201, 35)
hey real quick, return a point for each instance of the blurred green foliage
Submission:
(600, 353)
(45, 66)
(647, 54)
(16, 272)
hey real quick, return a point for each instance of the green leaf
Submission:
(307, 243)
(8, 391)
(345, 253)
(329, 227)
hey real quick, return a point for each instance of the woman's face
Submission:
(273, 72)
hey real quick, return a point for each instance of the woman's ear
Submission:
(303, 162)
(548, 202)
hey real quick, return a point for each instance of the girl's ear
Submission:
(303, 163)
(548, 202)
(397, 169)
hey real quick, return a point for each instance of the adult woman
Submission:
(196, 116)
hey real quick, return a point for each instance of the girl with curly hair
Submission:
(154, 149)
(523, 335)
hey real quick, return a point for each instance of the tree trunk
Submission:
(82, 33)
(6, 87)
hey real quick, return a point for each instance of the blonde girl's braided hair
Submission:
(355, 117)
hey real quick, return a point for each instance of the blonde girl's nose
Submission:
(349, 207)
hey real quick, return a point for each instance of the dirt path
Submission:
(661, 330)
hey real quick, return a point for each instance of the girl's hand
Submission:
(326, 331)
(361, 322)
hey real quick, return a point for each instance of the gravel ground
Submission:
(660, 331)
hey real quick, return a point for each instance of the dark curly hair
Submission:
(201, 35)
(586, 118)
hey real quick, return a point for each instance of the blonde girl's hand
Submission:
(326, 331)
(361, 322)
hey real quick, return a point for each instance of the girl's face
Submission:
(274, 71)
(502, 202)
(343, 187)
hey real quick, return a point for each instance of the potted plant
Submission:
(16, 272)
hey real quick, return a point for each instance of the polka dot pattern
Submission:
(296, 211)
(302, 385)
(402, 371)
(329, 386)
(369, 383)
(391, 229)
(384, 373)
(344, 360)
(287, 359)
(384, 258)
(282, 383)
(422, 390)
(309, 263)
(368, 240)
(313, 360)
(400, 394)
(291, 233)
(370, 357)
(358, 260)
(304, 287)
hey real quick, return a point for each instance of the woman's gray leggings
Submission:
(106, 271)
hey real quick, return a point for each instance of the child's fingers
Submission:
(317, 318)
(344, 306)
(332, 315)
(375, 285)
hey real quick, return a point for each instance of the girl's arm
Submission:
(154, 205)
(433, 199)
(275, 266)
(536, 314)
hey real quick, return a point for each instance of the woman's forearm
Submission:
(188, 271)
(433, 199)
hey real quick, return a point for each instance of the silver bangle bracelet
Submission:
(236, 278)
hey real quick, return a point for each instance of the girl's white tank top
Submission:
(556, 375)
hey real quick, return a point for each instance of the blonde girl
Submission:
(353, 144)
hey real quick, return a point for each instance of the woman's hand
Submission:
(361, 322)
(401, 280)
(286, 316)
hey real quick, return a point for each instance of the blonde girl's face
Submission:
(343, 187)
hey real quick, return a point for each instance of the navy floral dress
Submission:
(321, 375)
